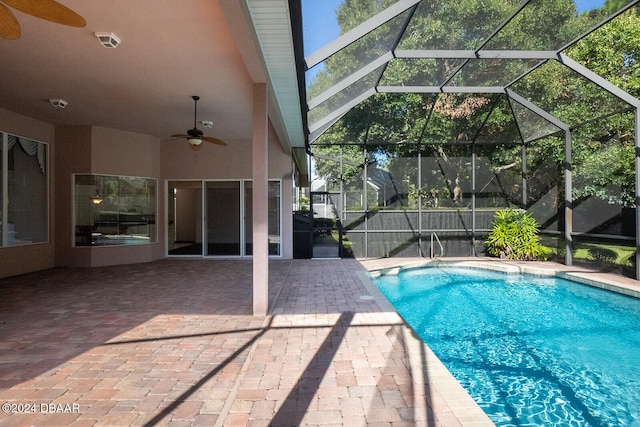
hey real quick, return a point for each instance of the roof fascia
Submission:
(237, 15)
(284, 103)
(272, 24)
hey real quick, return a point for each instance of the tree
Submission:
(604, 155)
(391, 125)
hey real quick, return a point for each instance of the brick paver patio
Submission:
(173, 342)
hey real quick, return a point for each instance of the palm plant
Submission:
(514, 235)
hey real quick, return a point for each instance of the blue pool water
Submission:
(530, 350)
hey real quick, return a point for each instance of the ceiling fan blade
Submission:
(214, 140)
(195, 147)
(49, 10)
(179, 135)
(9, 26)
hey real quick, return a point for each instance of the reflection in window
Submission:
(114, 210)
(274, 228)
(274, 218)
(24, 191)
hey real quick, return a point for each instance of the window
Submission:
(24, 191)
(114, 210)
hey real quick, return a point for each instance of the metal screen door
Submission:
(326, 240)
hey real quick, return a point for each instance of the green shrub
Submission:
(514, 235)
(605, 255)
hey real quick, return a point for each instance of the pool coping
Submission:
(433, 375)
(584, 276)
(428, 372)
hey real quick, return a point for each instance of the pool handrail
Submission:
(434, 235)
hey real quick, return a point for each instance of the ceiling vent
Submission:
(108, 40)
(58, 103)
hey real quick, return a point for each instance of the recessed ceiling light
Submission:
(108, 40)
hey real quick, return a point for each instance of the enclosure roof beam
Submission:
(358, 32)
(537, 110)
(595, 78)
(339, 112)
(365, 76)
(472, 54)
(506, 22)
(349, 80)
(321, 129)
(440, 89)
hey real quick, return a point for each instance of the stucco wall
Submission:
(104, 151)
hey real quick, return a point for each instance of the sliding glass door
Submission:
(184, 214)
(214, 218)
(223, 218)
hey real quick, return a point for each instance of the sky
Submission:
(587, 5)
(319, 24)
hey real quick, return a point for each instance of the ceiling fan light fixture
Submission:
(108, 40)
(195, 136)
(96, 199)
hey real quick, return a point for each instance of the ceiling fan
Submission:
(49, 10)
(195, 136)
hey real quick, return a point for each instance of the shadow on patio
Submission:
(173, 342)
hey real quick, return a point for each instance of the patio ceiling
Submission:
(168, 52)
(373, 55)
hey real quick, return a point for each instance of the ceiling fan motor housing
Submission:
(195, 133)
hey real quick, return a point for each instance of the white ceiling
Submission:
(169, 51)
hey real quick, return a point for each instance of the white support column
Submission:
(260, 201)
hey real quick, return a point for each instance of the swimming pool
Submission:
(530, 350)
